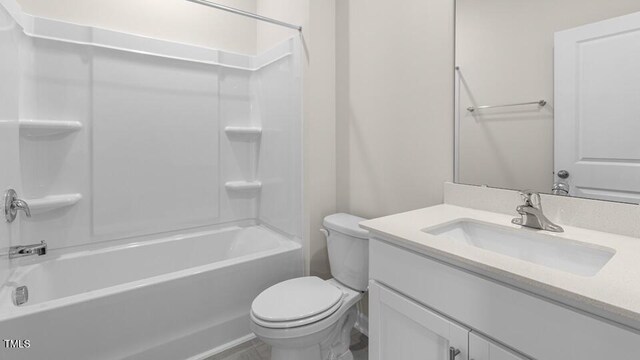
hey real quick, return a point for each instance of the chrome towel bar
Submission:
(540, 103)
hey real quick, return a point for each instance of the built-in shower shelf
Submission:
(243, 185)
(244, 131)
(48, 127)
(52, 202)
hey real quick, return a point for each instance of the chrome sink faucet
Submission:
(28, 250)
(531, 213)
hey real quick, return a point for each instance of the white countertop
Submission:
(612, 293)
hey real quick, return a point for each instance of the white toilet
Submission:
(309, 318)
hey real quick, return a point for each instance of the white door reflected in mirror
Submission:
(597, 112)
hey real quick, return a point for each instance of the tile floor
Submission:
(257, 350)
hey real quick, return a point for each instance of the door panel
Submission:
(597, 102)
(483, 349)
(404, 330)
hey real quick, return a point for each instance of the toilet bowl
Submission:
(309, 318)
(323, 333)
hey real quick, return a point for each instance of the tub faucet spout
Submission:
(28, 250)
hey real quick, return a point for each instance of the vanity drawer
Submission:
(534, 326)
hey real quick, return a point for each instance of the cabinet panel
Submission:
(404, 330)
(483, 349)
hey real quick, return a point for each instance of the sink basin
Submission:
(526, 244)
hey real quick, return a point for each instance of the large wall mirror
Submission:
(548, 96)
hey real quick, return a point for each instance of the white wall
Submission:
(174, 20)
(395, 104)
(378, 106)
(318, 21)
(278, 107)
(505, 52)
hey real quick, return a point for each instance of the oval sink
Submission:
(527, 244)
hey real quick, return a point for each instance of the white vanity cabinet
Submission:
(420, 306)
(402, 329)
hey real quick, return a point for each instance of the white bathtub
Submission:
(183, 297)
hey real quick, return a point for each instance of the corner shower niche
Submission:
(245, 139)
(125, 137)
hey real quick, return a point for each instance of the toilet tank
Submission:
(348, 247)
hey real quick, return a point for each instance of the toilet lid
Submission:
(295, 299)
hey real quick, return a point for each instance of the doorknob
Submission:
(453, 352)
(563, 174)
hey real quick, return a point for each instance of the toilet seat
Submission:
(296, 302)
(296, 323)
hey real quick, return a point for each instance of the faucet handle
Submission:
(526, 196)
(20, 204)
(12, 204)
(531, 198)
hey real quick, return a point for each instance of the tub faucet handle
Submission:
(20, 204)
(12, 204)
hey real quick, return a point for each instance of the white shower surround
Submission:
(148, 152)
(121, 140)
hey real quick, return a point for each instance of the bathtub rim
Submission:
(222, 348)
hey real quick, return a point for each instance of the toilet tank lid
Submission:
(346, 224)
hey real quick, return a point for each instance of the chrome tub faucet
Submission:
(28, 250)
(531, 214)
(12, 205)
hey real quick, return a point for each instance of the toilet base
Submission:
(331, 343)
(311, 353)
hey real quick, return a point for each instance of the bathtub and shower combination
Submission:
(165, 179)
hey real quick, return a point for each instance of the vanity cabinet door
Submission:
(483, 349)
(401, 329)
